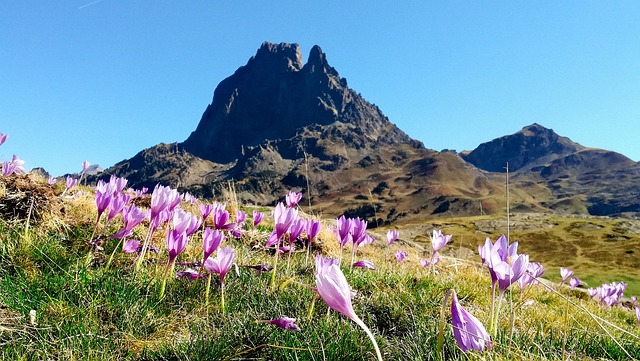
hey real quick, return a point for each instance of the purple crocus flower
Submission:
(401, 255)
(365, 264)
(117, 204)
(295, 229)
(176, 243)
(574, 282)
(162, 198)
(221, 264)
(286, 323)
(638, 314)
(344, 229)
(52, 181)
(211, 240)
(312, 228)
(468, 331)
(283, 218)
(85, 166)
(190, 198)
(438, 240)
(240, 217)
(592, 292)
(392, 236)
(104, 192)
(3, 138)
(185, 222)
(534, 270)
(505, 265)
(15, 165)
(221, 217)
(634, 299)
(130, 246)
(334, 290)
(190, 274)
(293, 198)
(359, 228)
(71, 182)
(424, 262)
(565, 273)
(205, 210)
(132, 217)
(257, 218)
(610, 294)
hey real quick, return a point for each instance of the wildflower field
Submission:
(107, 273)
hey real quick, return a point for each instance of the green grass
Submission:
(85, 312)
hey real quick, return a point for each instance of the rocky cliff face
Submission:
(275, 95)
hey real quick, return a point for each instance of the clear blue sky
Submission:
(102, 80)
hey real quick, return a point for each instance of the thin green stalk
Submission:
(164, 279)
(443, 323)
(371, 337)
(106, 267)
(495, 317)
(492, 308)
(566, 320)
(273, 272)
(222, 296)
(145, 245)
(312, 306)
(206, 294)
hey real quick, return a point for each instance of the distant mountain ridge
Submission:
(278, 124)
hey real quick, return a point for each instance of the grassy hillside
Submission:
(82, 310)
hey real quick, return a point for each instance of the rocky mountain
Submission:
(278, 123)
(532, 146)
(577, 179)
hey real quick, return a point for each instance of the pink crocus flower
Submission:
(176, 243)
(130, 246)
(52, 181)
(364, 264)
(295, 229)
(574, 282)
(221, 263)
(592, 292)
(70, 183)
(190, 274)
(133, 216)
(211, 240)
(162, 198)
(3, 138)
(401, 255)
(257, 218)
(468, 331)
(312, 228)
(438, 240)
(283, 218)
(293, 198)
(424, 262)
(344, 229)
(221, 217)
(534, 270)
(565, 273)
(241, 216)
(188, 197)
(334, 290)
(85, 166)
(205, 210)
(117, 204)
(286, 323)
(15, 165)
(392, 236)
(185, 222)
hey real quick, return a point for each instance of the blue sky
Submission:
(102, 80)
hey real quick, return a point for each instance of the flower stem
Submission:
(106, 267)
(222, 296)
(492, 309)
(447, 295)
(371, 337)
(311, 307)
(164, 280)
(145, 245)
(206, 294)
(273, 272)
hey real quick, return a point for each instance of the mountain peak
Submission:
(532, 146)
(274, 95)
(279, 56)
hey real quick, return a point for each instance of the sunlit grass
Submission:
(86, 312)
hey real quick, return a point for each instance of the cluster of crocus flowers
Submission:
(335, 291)
(609, 294)
(14, 166)
(352, 230)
